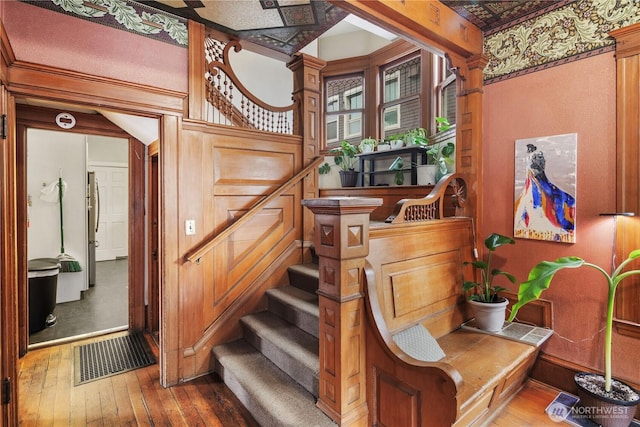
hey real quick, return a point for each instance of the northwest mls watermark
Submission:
(559, 412)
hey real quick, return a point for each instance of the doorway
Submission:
(128, 267)
(92, 204)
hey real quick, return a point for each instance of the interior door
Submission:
(112, 234)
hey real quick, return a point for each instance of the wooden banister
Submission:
(197, 253)
(431, 206)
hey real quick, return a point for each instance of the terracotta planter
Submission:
(608, 412)
(489, 316)
(349, 178)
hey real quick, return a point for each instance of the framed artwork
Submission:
(545, 188)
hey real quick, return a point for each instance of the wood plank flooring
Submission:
(47, 397)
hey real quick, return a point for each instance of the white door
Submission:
(113, 226)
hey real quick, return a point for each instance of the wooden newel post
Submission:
(342, 243)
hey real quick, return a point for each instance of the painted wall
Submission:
(42, 36)
(577, 97)
(49, 155)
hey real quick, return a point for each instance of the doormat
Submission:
(110, 357)
(566, 407)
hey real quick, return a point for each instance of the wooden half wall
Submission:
(222, 172)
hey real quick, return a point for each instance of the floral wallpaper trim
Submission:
(124, 15)
(572, 32)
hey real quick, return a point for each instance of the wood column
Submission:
(308, 123)
(627, 170)
(342, 243)
(469, 133)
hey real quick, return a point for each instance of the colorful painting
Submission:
(545, 188)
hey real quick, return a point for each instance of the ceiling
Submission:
(286, 26)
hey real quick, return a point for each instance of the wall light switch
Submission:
(190, 227)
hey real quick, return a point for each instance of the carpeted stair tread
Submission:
(296, 306)
(304, 276)
(287, 346)
(270, 395)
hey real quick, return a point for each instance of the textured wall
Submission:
(573, 31)
(577, 97)
(45, 37)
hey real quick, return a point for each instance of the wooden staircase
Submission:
(273, 368)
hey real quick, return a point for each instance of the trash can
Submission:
(43, 286)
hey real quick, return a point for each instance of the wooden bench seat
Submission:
(414, 287)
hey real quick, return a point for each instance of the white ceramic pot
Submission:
(397, 143)
(427, 174)
(384, 147)
(489, 316)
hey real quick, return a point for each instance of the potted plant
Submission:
(384, 146)
(414, 135)
(368, 145)
(345, 157)
(593, 389)
(397, 166)
(396, 140)
(488, 307)
(439, 155)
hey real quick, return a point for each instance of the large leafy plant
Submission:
(483, 289)
(540, 279)
(345, 157)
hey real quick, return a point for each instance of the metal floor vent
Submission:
(111, 356)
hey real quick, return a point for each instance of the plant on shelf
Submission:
(397, 166)
(345, 157)
(437, 153)
(488, 307)
(368, 145)
(396, 140)
(414, 135)
(603, 387)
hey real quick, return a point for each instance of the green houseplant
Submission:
(597, 387)
(368, 145)
(345, 157)
(438, 154)
(488, 307)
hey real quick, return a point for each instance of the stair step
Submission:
(287, 346)
(295, 306)
(270, 395)
(304, 276)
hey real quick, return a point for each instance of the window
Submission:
(344, 109)
(401, 97)
(445, 90)
(332, 120)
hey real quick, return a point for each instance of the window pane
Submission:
(392, 117)
(344, 94)
(332, 130)
(353, 126)
(392, 87)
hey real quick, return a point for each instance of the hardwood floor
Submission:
(47, 397)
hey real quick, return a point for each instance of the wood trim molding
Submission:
(6, 52)
(33, 80)
(45, 118)
(431, 25)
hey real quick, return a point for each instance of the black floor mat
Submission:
(111, 356)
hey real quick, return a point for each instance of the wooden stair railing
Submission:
(197, 253)
(431, 206)
(247, 111)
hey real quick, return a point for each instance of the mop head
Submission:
(68, 264)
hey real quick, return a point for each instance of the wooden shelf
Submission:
(369, 159)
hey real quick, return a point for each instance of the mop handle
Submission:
(61, 224)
